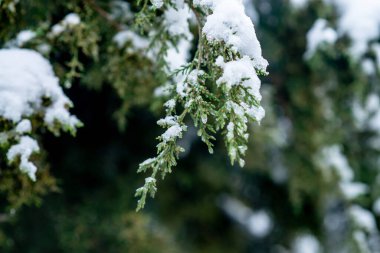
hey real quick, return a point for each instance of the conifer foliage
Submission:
(281, 157)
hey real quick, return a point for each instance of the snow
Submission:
(362, 218)
(331, 157)
(368, 67)
(204, 118)
(24, 36)
(367, 116)
(57, 29)
(24, 149)
(176, 21)
(24, 126)
(352, 190)
(147, 162)
(170, 104)
(299, 4)
(257, 113)
(138, 42)
(240, 72)
(150, 180)
(157, 3)
(177, 57)
(230, 131)
(306, 243)
(69, 21)
(172, 133)
(360, 20)
(361, 241)
(319, 34)
(228, 23)
(44, 48)
(258, 223)
(236, 108)
(168, 121)
(27, 81)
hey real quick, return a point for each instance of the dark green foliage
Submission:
(83, 201)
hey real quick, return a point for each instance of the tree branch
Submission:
(104, 14)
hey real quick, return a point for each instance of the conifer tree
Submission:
(90, 89)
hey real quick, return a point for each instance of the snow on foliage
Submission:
(228, 55)
(29, 88)
(258, 223)
(24, 149)
(331, 159)
(306, 243)
(367, 118)
(359, 20)
(333, 162)
(299, 4)
(137, 41)
(363, 218)
(157, 3)
(320, 33)
(176, 21)
(228, 23)
(69, 21)
(236, 71)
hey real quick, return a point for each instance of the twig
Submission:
(104, 14)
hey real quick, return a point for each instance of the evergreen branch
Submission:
(104, 14)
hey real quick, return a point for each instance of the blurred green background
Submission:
(206, 205)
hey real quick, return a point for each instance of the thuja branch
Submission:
(219, 90)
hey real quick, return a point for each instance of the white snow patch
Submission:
(360, 20)
(228, 23)
(26, 78)
(240, 72)
(24, 36)
(69, 21)
(28, 87)
(24, 149)
(363, 218)
(24, 126)
(176, 21)
(332, 158)
(306, 243)
(172, 133)
(318, 35)
(137, 41)
(299, 4)
(157, 3)
(258, 223)
(352, 190)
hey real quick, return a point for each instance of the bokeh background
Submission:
(311, 182)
